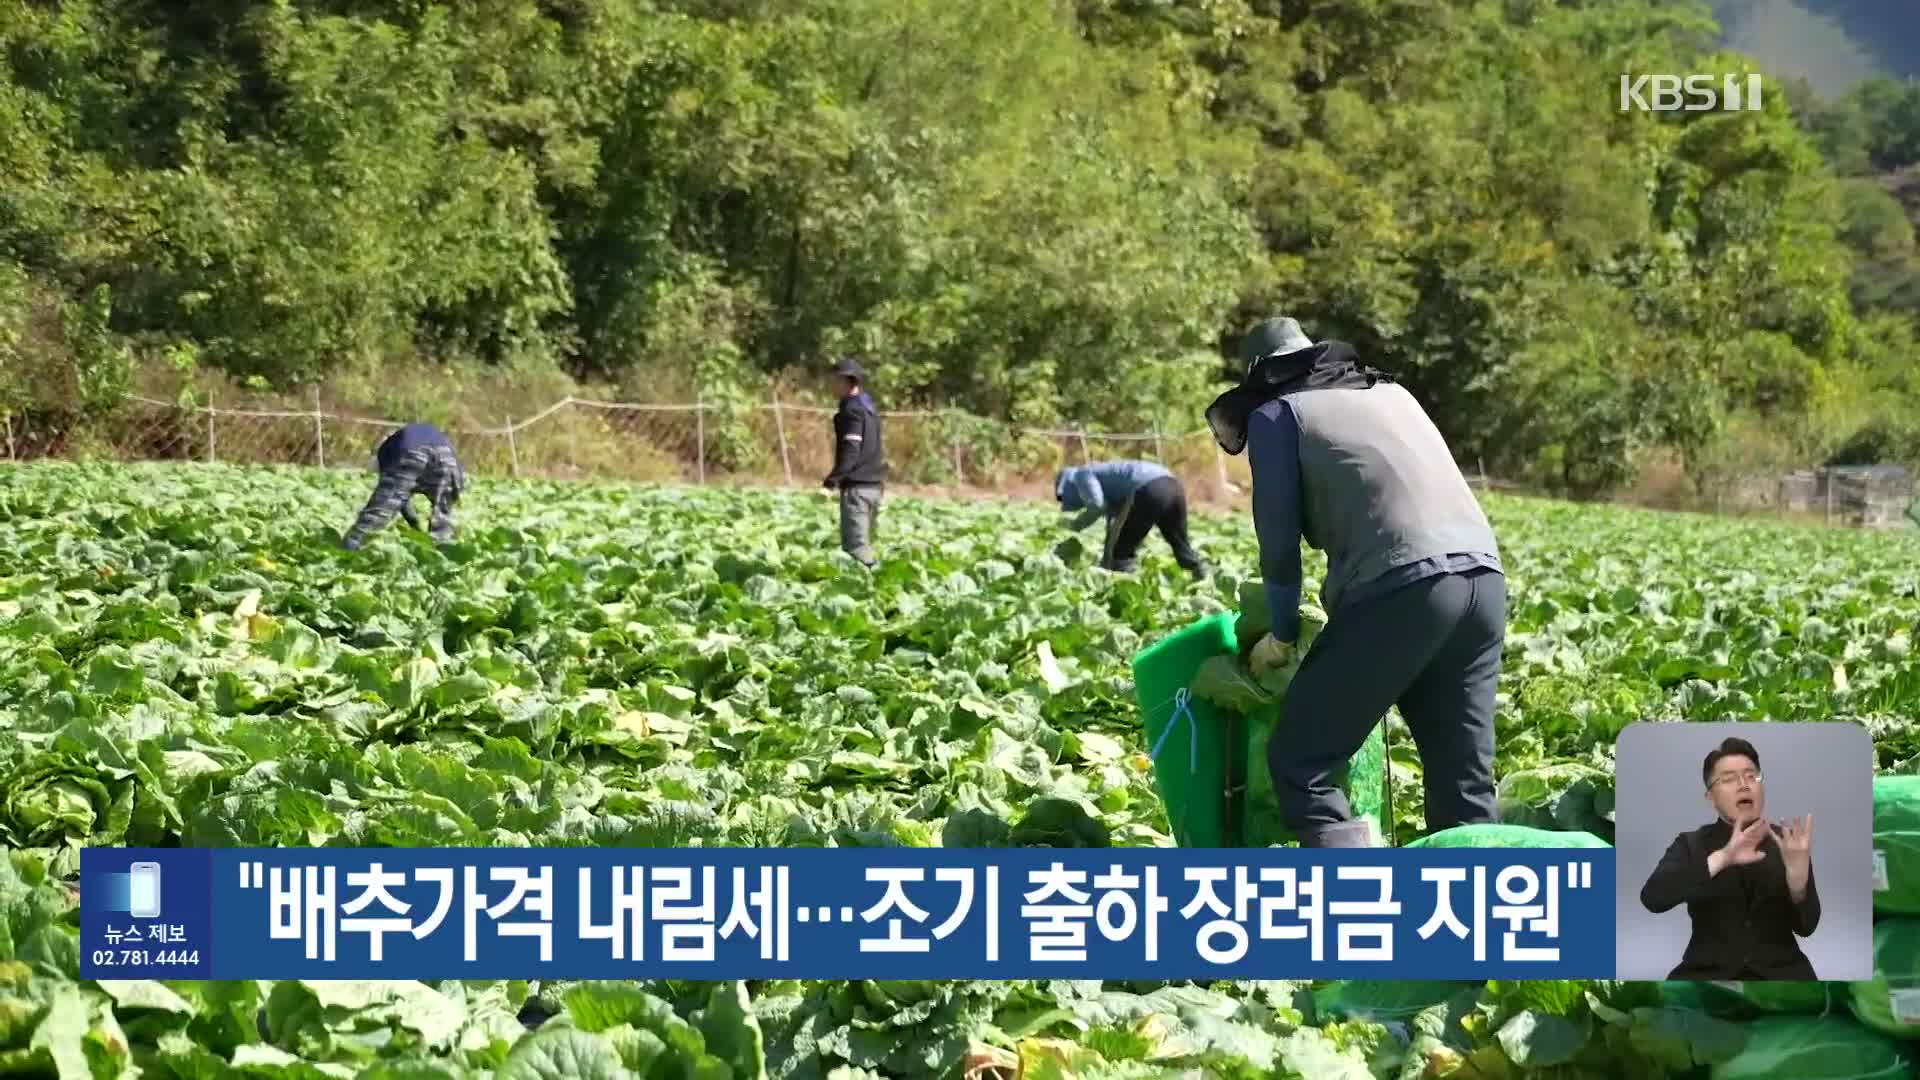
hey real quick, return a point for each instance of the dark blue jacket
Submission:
(411, 437)
(858, 460)
(1103, 488)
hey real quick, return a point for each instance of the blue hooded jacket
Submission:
(1103, 488)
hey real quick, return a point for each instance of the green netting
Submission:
(1896, 845)
(1890, 1001)
(1364, 782)
(1815, 1048)
(1208, 722)
(1508, 836)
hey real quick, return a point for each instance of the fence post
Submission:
(700, 435)
(10, 456)
(1085, 458)
(780, 426)
(513, 448)
(959, 463)
(1159, 451)
(573, 436)
(319, 430)
(211, 455)
(1220, 465)
(1830, 480)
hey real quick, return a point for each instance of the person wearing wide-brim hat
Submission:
(859, 463)
(1415, 594)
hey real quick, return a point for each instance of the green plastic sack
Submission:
(1896, 845)
(1363, 780)
(1191, 742)
(1890, 1001)
(1507, 836)
(1815, 1048)
(1228, 683)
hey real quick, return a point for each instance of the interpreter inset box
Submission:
(1744, 852)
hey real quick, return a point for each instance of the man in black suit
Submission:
(1747, 884)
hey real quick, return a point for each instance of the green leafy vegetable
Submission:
(669, 667)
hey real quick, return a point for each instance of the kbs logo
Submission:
(1689, 93)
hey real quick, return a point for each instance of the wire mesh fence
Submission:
(786, 443)
(580, 438)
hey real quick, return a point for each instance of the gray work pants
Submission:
(432, 471)
(1433, 649)
(859, 509)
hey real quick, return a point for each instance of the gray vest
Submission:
(1379, 489)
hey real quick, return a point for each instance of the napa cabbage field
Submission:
(186, 658)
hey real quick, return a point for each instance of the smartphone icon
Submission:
(144, 893)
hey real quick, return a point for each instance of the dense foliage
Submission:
(1035, 212)
(186, 658)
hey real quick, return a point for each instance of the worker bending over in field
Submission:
(859, 466)
(1415, 594)
(416, 460)
(1135, 496)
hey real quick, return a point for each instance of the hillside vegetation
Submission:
(1041, 213)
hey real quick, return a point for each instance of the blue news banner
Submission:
(845, 913)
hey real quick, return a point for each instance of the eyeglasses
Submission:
(1751, 776)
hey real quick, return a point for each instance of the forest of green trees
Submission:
(1039, 212)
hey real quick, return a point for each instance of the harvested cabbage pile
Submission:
(1890, 1001)
(1227, 681)
(1503, 835)
(1896, 845)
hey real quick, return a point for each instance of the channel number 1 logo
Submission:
(1689, 93)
